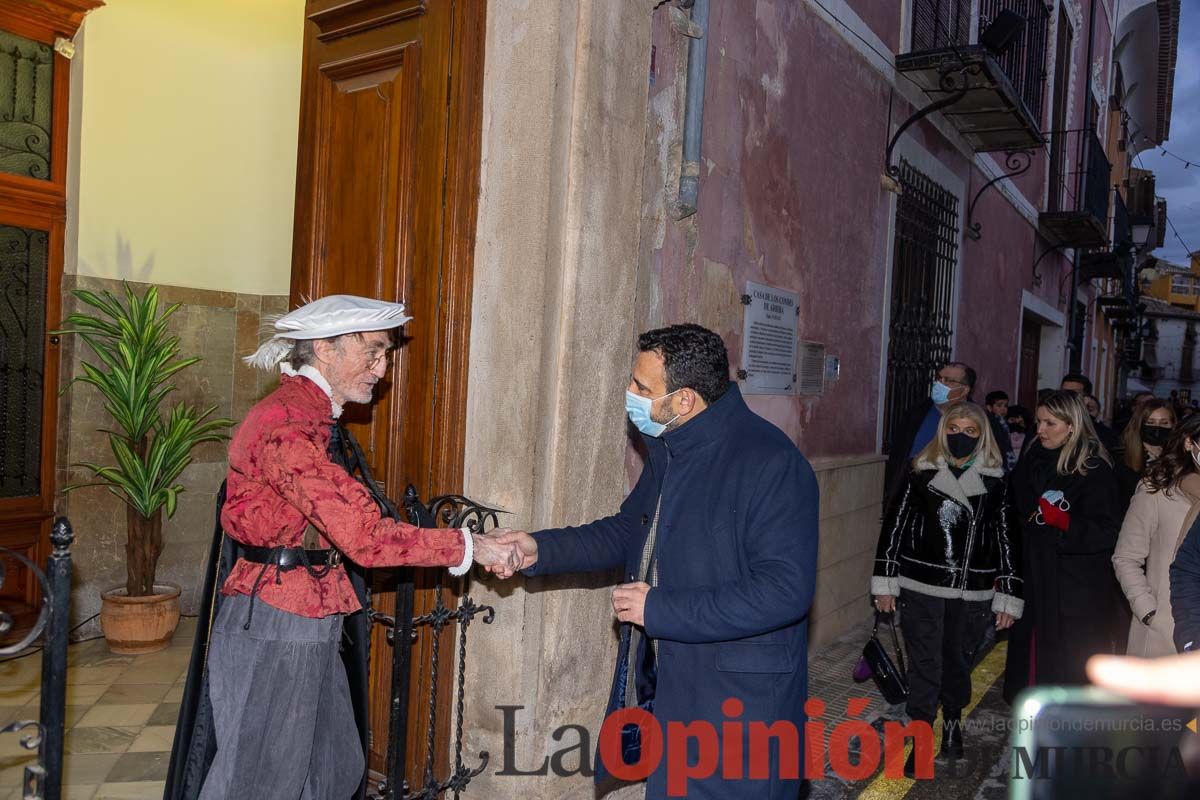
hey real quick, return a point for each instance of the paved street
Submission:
(980, 775)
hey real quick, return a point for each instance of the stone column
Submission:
(551, 343)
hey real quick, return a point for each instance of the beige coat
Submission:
(1142, 561)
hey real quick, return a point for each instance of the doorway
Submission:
(1027, 383)
(386, 195)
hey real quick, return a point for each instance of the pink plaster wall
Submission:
(795, 127)
(883, 18)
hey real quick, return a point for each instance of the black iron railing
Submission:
(1024, 58)
(1122, 232)
(940, 23)
(452, 511)
(42, 780)
(1097, 185)
(948, 24)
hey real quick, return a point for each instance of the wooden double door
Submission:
(387, 186)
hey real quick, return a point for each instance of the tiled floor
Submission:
(121, 714)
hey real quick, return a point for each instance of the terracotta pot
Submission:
(137, 625)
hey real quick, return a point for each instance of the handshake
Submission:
(504, 552)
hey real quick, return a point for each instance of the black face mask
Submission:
(1154, 435)
(961, 445)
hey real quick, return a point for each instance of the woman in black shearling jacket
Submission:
(946, 551)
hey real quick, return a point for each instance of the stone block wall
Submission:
(218, 326)
(851, 491)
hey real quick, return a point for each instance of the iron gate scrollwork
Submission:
(922, 306)
(42, 780)
(452, 511)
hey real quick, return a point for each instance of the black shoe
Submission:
(952, 738)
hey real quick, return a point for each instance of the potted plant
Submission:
(136, 359)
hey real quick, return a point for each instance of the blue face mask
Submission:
(940, 393)
(638, 408)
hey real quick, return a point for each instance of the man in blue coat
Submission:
(718, 543)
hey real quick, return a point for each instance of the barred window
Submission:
(922, 306)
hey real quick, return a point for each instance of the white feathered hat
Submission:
(335, 315)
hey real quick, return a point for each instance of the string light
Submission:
(1186, 249)
(1187, 162)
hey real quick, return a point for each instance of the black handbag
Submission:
(877, 664)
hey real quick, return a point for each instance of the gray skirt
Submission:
(281, 708)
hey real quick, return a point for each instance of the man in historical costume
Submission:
(718, 543)
(275, 703)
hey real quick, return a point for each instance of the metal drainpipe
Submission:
(693, 115)
(1076, 337)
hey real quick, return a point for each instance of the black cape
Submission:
(195, 740)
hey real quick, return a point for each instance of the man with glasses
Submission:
(954, 382)
(274, 707)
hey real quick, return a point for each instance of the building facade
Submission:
(933, 180)
(1168, 363)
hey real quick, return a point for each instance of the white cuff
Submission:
(1007, 604)
(883, 586)
(468, 555)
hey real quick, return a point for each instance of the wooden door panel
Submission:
(367, 180)
(385, 207)
(1031, 336)
(20, 595)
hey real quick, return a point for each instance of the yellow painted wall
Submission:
(185, 130)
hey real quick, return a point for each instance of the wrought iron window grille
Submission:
(922, 303)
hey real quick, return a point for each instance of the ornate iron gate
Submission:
(43, 779)
(922, 308)
(452, 511)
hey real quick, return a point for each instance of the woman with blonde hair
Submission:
(946, 558)
(1143, 442)
(1066, 498)
(1150, 536)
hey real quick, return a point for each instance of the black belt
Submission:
(289, 558)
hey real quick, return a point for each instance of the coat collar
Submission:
(707, 426)
(317, 381)
(964, 487)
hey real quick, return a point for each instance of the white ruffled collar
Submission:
(314, 375)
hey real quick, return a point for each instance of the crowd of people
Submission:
(1079, 538)
(995, 517)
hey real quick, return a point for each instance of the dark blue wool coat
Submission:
(737, 550)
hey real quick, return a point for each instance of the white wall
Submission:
(1169, 354)
(185, 116)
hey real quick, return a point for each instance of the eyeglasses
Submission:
(373, 361)
(950, 381)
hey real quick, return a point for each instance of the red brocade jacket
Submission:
(281, 479)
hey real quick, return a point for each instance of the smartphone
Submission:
(1084, 742)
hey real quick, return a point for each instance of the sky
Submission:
(1180, 185)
